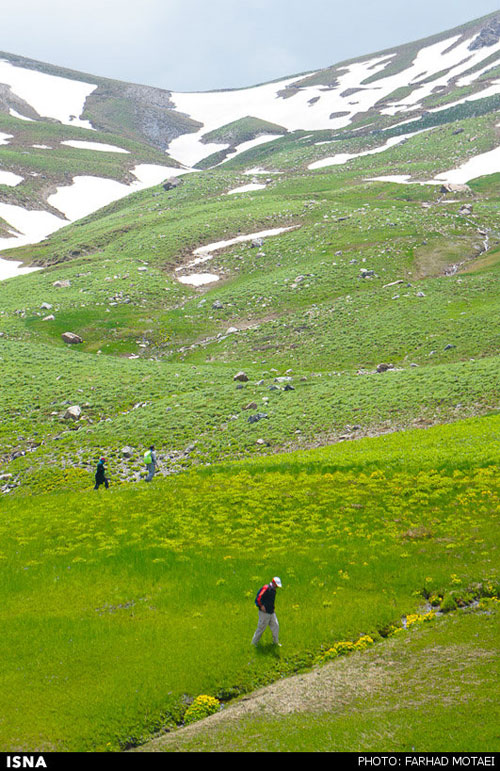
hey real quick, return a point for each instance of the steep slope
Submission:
(331, 252)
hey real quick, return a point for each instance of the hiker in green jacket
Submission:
(100, 475)
(151, 462)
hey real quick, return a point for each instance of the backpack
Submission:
(259, 594)
(147, 457)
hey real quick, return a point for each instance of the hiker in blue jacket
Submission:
(267, 617)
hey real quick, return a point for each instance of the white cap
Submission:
(277, 581)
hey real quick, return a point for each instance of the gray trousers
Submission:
(270, 620)
(151, 471)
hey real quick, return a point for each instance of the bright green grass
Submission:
(117, 603)
(424, 692)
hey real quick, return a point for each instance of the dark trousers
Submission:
(101, 481)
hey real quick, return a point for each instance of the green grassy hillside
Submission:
(357, 455)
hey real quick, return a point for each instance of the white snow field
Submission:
(9, 178)
(100, 146)
(28, 226)
(4, 138)
(245, 188)
(218, 108)
(10, 269)
(199, 279)
(341, 158)
(478, 166)
(18, 115)
(50, 95)
(88, 194)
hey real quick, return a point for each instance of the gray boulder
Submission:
(384, 367)
(71, 338)
(171, 183)
(73, 413)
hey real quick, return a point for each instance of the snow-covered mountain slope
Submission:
(359, 89)
(72, 143)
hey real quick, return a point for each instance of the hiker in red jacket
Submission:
(267, 617)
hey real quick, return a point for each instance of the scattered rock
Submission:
(71, 337)
(384, 367)
(257, 243)
(489, 36)
(62, 284)
(242, 377)
(250, 406)
(450, 187)
(394, 283)
(127, 452)
(49, 318)
(171, 183)
(46, 306)
(73, 413)
(258, 416)
(217, 305)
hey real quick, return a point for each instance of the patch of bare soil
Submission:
(339, 686)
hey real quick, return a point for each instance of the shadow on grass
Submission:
(268, 649)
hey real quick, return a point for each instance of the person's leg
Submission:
(264, 619)
(106, 483)
(275, 628)
(96, 486)
(151, 471)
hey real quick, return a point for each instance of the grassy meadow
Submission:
(121, 606)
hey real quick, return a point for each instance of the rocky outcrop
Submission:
(489, 35)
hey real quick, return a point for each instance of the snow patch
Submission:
(18, 115)
(100, 146)
(199, 279)
(88, 194)
(9, 178)
(50, 95)
(11, 269)
(478, 166)
(246, 188)
(31, 225)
